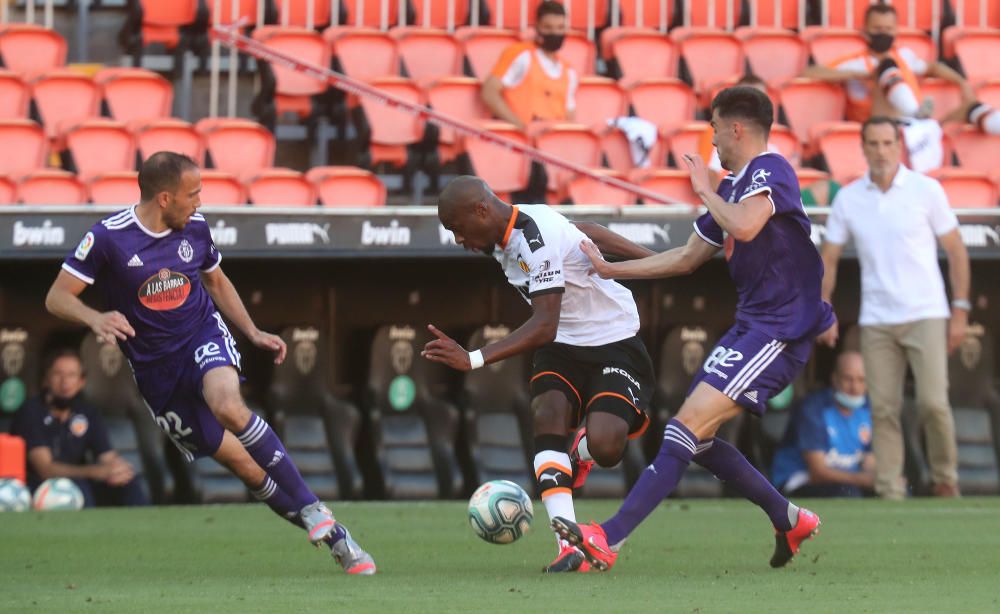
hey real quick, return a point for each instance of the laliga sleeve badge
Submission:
(84, 247)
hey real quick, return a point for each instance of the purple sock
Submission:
(266, 449)
(655, 483)
(282, 505)
(729, 465)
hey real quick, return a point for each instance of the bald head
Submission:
(461, 195)
(470, 209)
(849, 374)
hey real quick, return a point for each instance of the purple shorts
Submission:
(750, 367)
(172, 388)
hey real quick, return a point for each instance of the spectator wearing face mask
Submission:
(65, 438)
(827, 448)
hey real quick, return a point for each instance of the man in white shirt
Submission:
(590, 367)
(897, 218)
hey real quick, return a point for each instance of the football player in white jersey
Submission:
(591, 372)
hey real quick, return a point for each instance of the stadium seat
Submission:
(497, 415)
(918, 42)
(284, 90)
(979, 55)
(849, 13)
(721, 14)
(827, 45)
(976, 13)
(578, 14)
(672, 183)
(840, 144)
(281, 187)
(989, 92)
(295, 13)
(25, 147)
(318, 429)
(31, 50)
(116, 188)
(572, 143)
(111, 388)
(435, 14)
(711, 57)
(364, 54)
(347, 186)
(688, 139)
(221, 188)
(413, 427)
(392, 130)
(967, 189)
(809, 176)
(65, 98)
(503, 170)
(807, 103)
(155, 21)
(640, 54)
(14, 96)
(922, 17)
(976, 151)
(482, 47)
(787, 144)
(169, 135)
(428, 54)
(240, 147)
(776, 56)
(583, 190)
(246, 12)
(7, 191)
(458, 97)
(598, 100)
(668, 103)
(99, 146)
(647, 13)
(511, 17)
(137, 95)
(51, 187)
(369, 14)
(946, 95)
(775, 14)
(617, 151)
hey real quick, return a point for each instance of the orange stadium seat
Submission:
(428, 54)
(240, 147)
(672, 183)
(169, 135)
(281, 187)
(347, 186)
(511, 17)
(161, 21)
(30, 50)
(370, 14)
(776, 56)
(65, 98)
(946, 95)
(25, 147)
(967, 189)
(293, 90)
(687, 140)
(597, 100)
(585, 190)
(117, 188)
(100, 145)
(989, 92)
(434, 13)
(970, 13)
(482, 47)
(392, 129)
(51, 187)
(787, 144)
(246, 11)
(295, 13)
(827, 45)
(572, 143)
(766, 14)
(457, 97)
(711, 57)
(809, 176)
(618, 152)
(723, 15)
(7, 190)
(647, 13)
(221, 188)
(364, 54)
(807, 103)
(137, 95)
(14, 96)
(975, 150)
(668, 103)
(848, 13)
(923, 15)
(979, 54)
(578, 16)
(641, 54)
(917, 41)
(502, 169)
(840, 144)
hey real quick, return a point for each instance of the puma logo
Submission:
(549, 476)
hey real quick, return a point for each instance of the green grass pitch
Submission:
(694, 556)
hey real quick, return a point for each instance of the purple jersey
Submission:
(152, 279)
(779, 273)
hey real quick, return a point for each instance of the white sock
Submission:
(900, 96)
(987, 118)
(555, 480)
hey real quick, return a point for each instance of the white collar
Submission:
(897, 181)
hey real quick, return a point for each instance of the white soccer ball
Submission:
(500, 512)
(14, 496)
(58, 494)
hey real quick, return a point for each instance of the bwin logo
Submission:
(393, 234)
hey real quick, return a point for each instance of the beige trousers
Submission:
(887, 349)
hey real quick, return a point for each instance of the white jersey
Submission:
(541, 254)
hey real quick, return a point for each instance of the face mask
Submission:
(551, 42)
(880, 43)
(848, 401)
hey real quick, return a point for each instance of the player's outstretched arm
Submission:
(744, 221)
(228, 300)
(611, 243)
(671, 263)
(63, 301)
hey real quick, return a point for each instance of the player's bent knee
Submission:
(607, 436)
(551, 413)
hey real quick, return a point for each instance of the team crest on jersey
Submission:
(78, 425)
(84, 247)
(185, 251)
(165, 291)
(524, 265)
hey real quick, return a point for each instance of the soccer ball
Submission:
(14, 496)
(500, 512)
(58, 494)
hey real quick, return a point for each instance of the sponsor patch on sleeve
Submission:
(85, 246)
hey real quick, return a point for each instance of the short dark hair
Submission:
(879, 119)
(64, 352)
(548, 7)
(161, 172)
(880, 9)
(747, 103)
(751, 79)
